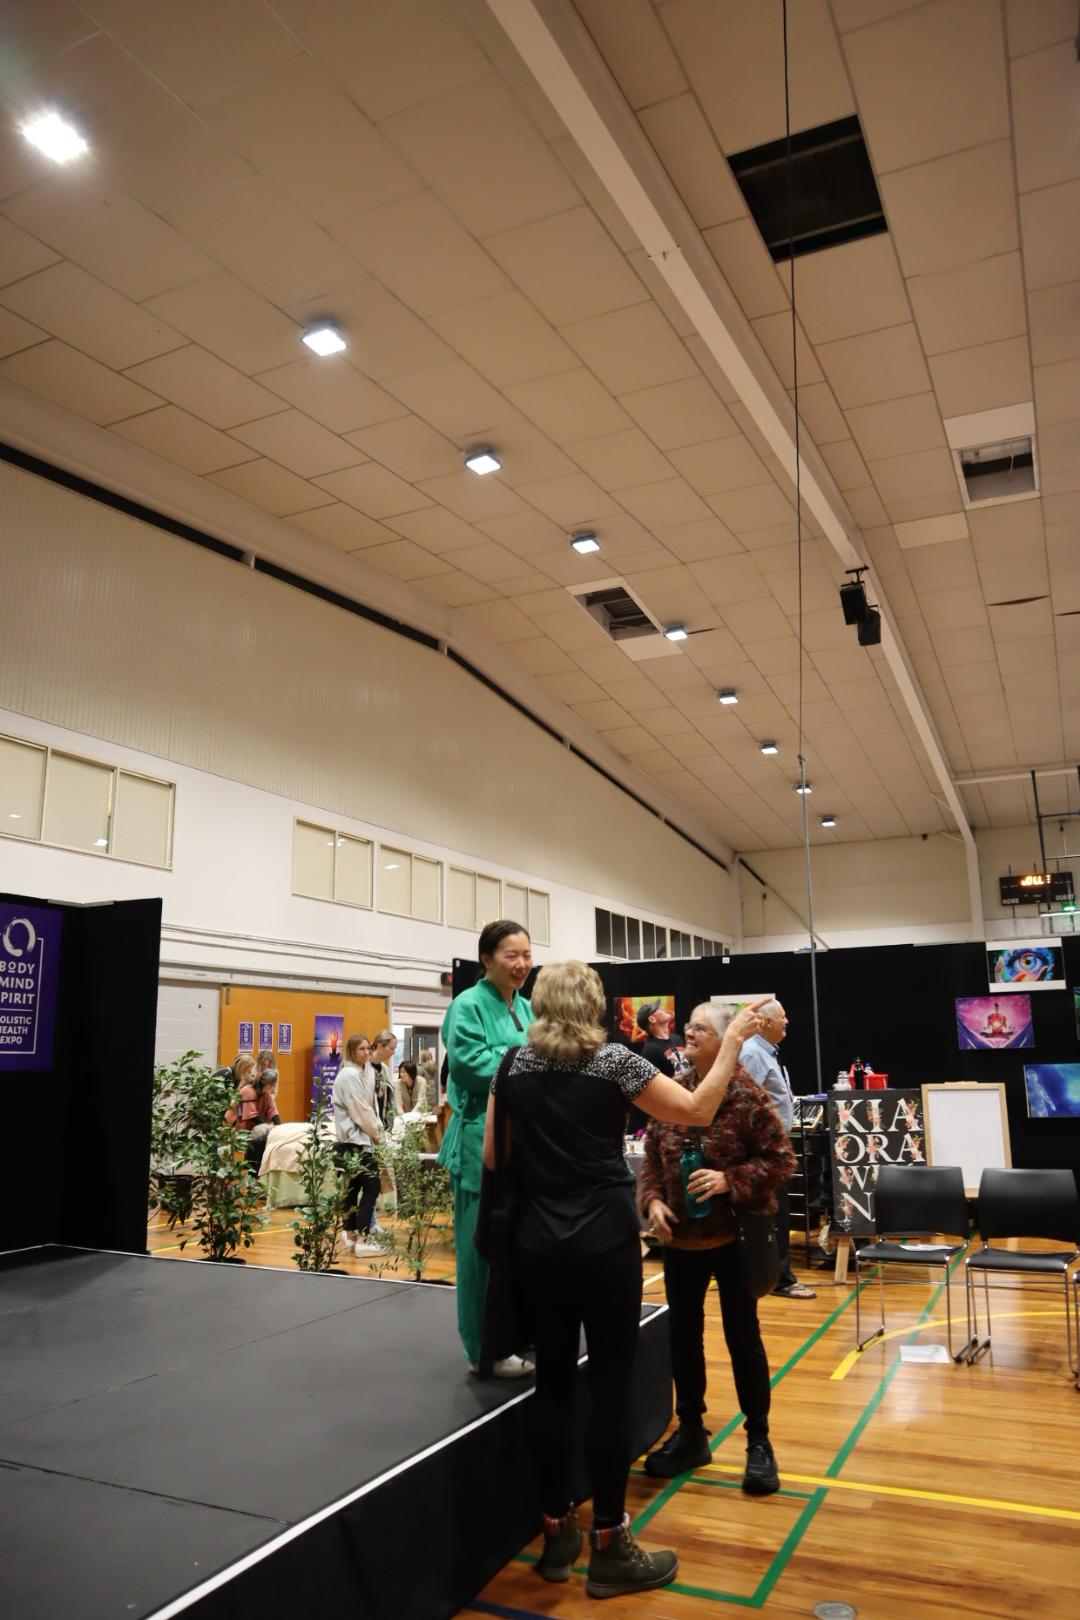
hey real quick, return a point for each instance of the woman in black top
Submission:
(577, 1251)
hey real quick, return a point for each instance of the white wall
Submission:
(888, 892)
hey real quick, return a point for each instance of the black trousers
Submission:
(601, 1294)
(362, 1187)
(687, 1274)
(787, 1278)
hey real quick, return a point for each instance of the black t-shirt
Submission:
(574, 1189)
(660, 1054)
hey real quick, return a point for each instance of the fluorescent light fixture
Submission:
(14, 815)
(482, 461)
(392, 866)
(769, 747)
(803, 787)
(828, 821)
(676, 632)
(324, 339)
(585, 543)
(55, 137)
(101, 843)
(727, 696)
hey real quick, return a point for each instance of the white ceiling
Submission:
(394, 165)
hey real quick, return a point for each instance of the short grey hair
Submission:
(717, 1015)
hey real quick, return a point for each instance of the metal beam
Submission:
(553, 42)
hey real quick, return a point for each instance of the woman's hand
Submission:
(706, 1183)
(662, 1220)
(747, 1021)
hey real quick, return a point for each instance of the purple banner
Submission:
(246, 1042)
(284, 1039)
(266, 1037)
(29, 975)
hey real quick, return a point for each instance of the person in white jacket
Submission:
(357, 1129)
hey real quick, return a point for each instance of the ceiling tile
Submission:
(1054, 313)
(687, 148)
(568, 266)
(846, 464)
(749, 509)
(669, 502)
(913, 509)
(616, 460)
(198, 48)
(876, 366)
(593, 191)
(454, 398)
(502, 621)
(896, 427)
(72, 305)
(343, 526)
(974, 646)
(295, 441)
(33, 30)
(748, 269)
(373, 490)
(505, 339)
(391, 58)
(573, 500)
(454, 589)
(930, 81)
(994, 374)
(16, 334)
(945, 567)
(20, 254)
(630, 349)
(1006, 579)
(267, 240)
(662, 295)
(416, 247)
(409, 448)
(530, 535)
(402, 560)
(489, 562)
(541, 657)
(76, 382)
(570, 406)
(680, 413)
(265, 484)
(698, 542)
(1056, 398)
(850, 289)
(1046, 116)
(635, 48)
(474, 499)
(935, 531)
(720, 465)
(977, 303)
(333, 392)
(929, 472)
(1022, 622)
(205, 386)
(822, 415)
(177, 437)
(436, 529)
(479, 150)
(146, 140)
(1051, 228)
(953, 211)
(230, 320)
(774, 335)
(1034, 23)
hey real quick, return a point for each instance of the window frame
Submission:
(335, 833)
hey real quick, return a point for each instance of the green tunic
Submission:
(477, 1031)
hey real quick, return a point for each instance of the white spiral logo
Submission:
(31, 936)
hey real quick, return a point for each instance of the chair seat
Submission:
(940, 1254)
(1012, 1260)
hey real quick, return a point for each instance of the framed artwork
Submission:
(984, 1023)
(624, 1016)
(1053, 1090)
(1025, 964)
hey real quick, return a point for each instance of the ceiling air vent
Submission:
(616, 611)
(833, 189)
(997, 472)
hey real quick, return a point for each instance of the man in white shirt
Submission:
(761, 1060)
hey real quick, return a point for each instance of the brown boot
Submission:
(617, 1565)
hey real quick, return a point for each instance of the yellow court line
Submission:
(845, 1366)
(993, 1503)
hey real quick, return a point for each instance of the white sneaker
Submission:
(512, 1367)
(349, 1241)
(366, 1248)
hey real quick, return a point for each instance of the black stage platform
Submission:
(231, 1442)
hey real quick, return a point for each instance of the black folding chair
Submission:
(1025, 1204)
(913, 1201)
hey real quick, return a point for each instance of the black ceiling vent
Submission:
(833, 188)
(616, 611)
(995, 472)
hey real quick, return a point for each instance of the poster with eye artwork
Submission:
(1025, 964)
(867, 1130)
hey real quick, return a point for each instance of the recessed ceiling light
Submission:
(324, 339)
(828, 821)
(585, 543)
(14, 815)
(676, 632)
(482, 462)
(727, 696)
(769, 747)
(55, 137)
(803, 787)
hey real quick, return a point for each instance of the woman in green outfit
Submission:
(479, 1028)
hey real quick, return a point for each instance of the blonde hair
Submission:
(569, 1003)
(242, 1066)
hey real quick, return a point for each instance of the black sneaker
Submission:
(761, 1477)
(687, 1448)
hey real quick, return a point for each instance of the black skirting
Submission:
(228, 1442)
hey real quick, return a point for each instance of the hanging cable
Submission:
(799, 556)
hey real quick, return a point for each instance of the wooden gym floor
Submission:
(911, 1491)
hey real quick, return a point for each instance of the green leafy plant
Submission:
(424, 1200)
(319, 1224)
(190, 1130)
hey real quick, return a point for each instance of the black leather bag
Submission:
(506, 1323)
(759, 1256)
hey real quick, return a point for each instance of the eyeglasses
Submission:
(699, 1029)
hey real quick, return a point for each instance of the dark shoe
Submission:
(685, 1449)
(617, 1565)
(562, 1544)
(795, 1290)
(761, 1477)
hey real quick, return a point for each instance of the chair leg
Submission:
(860, 1342)
(972, 1319)
(980, 1348)
(948, 1313)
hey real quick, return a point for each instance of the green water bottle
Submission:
(692, 1159)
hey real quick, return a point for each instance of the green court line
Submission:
(735, 1485)
(791, 1541)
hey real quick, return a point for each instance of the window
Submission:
(488, 900)
(539, 917)
(53, 797)
(633, 939)
(410, 885)
(473, 899)
(603, 932)
(516, 902)
(331, 865)
(648, 940)
(22, 788)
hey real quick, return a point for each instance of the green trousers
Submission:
(472, 1271)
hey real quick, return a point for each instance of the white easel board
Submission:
(967, 1125)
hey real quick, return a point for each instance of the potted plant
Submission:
(424, 1199)
(170, 1177)
(318, 1226)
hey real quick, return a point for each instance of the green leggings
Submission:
(472, 1271)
